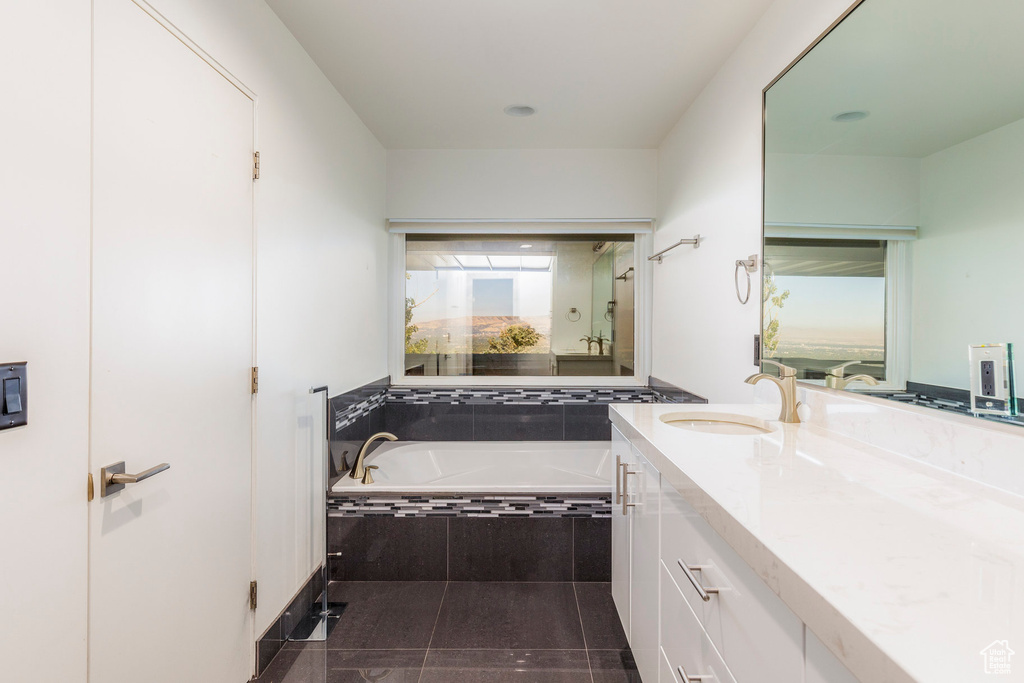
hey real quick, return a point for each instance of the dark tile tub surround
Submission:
(515, 413)
(484, 413)
(357, 414)
(505, 413)
(462, 548)
(942, 398)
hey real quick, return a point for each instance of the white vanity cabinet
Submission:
(688, 602)
(636, 521)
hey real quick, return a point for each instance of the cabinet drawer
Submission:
(756, 633)
(680, 542)
(686, 647)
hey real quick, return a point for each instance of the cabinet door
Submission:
(621, 531)
(645, 496)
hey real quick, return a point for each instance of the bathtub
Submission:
(529, 467)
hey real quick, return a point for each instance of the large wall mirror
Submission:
(894, 205)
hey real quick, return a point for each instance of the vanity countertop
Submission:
(905, 571)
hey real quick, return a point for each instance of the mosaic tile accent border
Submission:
(536, 395)
(947, 404)
(348, 415)
(469, 505)
(359, 402)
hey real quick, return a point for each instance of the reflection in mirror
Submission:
(603, 278)
(894, 219)
(542, 305)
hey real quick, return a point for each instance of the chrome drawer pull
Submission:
(625, 493)
(703, 592)
(618, 474)
(686, 678)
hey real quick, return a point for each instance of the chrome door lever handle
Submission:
(113, 477)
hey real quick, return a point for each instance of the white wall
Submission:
(44, 233)
(522, 183)
(709, 182)
(321, 299)
(966, 260)
(321, 267)
(838, 189)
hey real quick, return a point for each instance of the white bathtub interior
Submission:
(486, 466)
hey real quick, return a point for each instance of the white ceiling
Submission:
(600, 73)
(931, 73)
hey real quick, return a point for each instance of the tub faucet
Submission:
(786, 382)
(836, 379)
(358, 471)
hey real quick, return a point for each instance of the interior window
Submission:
(519, 305)
(825, 305)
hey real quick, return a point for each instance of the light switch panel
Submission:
(14, 399)
(992, 390)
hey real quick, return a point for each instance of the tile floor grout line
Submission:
(430, 642)
(583, 630)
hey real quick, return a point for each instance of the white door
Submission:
(172, 346)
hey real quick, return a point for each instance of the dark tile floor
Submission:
(465, 632)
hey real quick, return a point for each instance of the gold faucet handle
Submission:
(367, 477)
(784, 370)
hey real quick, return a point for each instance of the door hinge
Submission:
(256, 166)
(90, 489)
(254, 386)
(252, 595)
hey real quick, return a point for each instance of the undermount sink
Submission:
(718, 423)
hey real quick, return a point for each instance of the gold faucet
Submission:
(358, 471)
(786, 382)
(835, 378)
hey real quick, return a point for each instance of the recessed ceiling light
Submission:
(525, 246)
(520, 110)
(850, 116)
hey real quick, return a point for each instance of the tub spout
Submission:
(357, 469)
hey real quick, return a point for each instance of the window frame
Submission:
(897, 291)
(642, 231)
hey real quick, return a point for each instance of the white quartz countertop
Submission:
(905, 571)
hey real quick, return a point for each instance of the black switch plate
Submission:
(14, 399)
